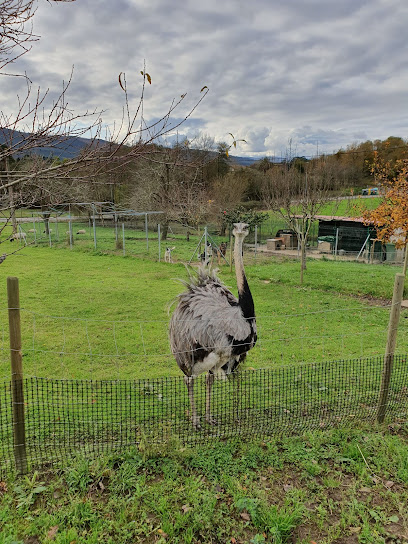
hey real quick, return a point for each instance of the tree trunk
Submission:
(303, 252)
(302, 258)
(11, 198)
(12, 209)
(46, 216)
(165, 230)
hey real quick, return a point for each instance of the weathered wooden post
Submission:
(391, 343)
(17, 389)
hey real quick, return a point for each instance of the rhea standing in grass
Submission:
(211, 330)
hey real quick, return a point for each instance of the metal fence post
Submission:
(71, 239)
(391, 343)
(94, 225)
(123, 238)
(147, 233)
(158, 236)
(16, 375)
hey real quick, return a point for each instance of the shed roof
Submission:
(342, 218)
(338, 218)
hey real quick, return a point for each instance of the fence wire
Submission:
(68, 417)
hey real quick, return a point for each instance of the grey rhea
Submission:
(211, 330)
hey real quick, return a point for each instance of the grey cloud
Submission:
(300, 70)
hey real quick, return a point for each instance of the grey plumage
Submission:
(211, 330)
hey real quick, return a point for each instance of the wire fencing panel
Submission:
(67, 417)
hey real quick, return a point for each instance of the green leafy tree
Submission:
(241, 215)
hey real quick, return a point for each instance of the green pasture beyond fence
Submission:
(63, 418)
(43, 421)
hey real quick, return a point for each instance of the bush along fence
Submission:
(46, 421)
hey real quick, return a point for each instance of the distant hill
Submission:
(70, 148)
(243, 161)
(67, 148)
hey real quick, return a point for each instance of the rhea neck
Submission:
(244, 293)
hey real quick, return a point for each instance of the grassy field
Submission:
(106, 316)
(352, 207)
(340, 486)
(87, 314)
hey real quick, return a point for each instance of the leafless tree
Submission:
(36, 121)
(298, 195)
(174, 183)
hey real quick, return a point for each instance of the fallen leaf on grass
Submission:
(162, 533)
(245, 516)
(233, 540)
(287, 487)
(3, 487)
(186, 508)
(354, 529)
(365, 490)
(52, 532)
(389, 484)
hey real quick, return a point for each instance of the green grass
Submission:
(92, 315)
(348, 485)
(352, 207)
(106, 316)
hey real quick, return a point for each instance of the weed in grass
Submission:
(28, 491)
(258, 539)
(128, 480)
(277, 522)
(78, 475)
(331, 482)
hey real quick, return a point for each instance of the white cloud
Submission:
(311, 72)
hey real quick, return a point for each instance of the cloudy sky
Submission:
(319, 73)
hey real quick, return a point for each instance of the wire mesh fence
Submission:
(69, 347)
(68, 417)
(140, 235)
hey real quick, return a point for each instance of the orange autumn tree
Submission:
(391, 217)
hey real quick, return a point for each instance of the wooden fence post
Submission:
(391, 343)
(16, 375)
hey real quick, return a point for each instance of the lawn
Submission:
(91, 315)
(338, 486)
(106, 316)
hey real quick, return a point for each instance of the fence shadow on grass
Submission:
(67, 417)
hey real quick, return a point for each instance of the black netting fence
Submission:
(67, 417)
